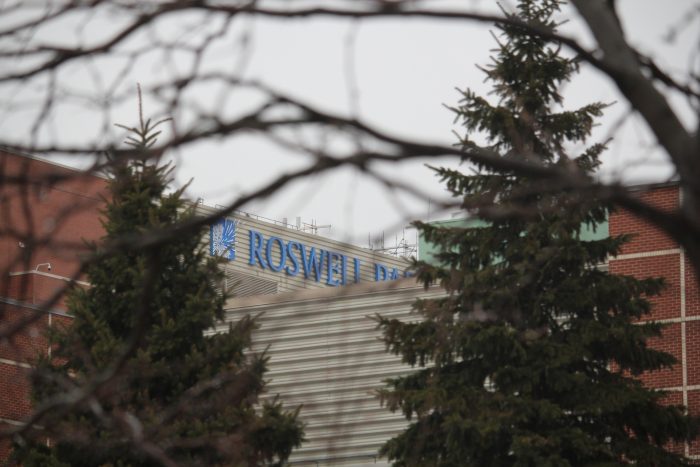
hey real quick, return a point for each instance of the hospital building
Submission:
(315, 297)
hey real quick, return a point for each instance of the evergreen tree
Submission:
(158, 387)
(529, 358)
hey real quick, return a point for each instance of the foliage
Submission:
(150, 385)
(530, 358)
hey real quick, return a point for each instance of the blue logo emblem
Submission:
(222, 238)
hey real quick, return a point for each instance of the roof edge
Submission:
(404, 284)
(45, 160)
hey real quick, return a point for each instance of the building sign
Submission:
(292, 257)
(222, 238)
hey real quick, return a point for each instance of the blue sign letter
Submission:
(380, 272)
(357, 270)
(332, 260)
(290, 254)
(268, 253)
(343, 269)
(256, 241)
(311, 262)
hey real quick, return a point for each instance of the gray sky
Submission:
(405, 71)
(394, 74)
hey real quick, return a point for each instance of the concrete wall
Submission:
(327, 357)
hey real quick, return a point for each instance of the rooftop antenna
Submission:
(314, 228)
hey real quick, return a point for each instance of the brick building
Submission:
(324, 350)
(47, 211)
(652, 253)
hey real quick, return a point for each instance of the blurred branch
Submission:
(42, 63)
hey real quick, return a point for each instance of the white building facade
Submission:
(315, 299)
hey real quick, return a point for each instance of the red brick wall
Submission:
(670, 341)
(692, 339)
(4, 443)
(25, 346)
(52, 211)
(692, 291)
(694, 407)
(668, 304)
(18, 353)
(646, 237)
(39, 288)
(14, 390)
(652, 253)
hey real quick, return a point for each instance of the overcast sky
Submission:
(398, 75)
(405, 71)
